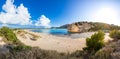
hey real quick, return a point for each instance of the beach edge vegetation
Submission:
(95, 42)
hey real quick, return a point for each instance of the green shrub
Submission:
(95, 42)
(115, 34)
(8, 34)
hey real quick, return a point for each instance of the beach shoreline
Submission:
(60, 44)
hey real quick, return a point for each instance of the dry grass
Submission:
(35, 53)
(110, 51)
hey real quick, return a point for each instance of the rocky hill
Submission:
(89, 26)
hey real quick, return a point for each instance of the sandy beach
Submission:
(61, 44)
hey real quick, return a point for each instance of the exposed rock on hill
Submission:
(79, 27)
(90, 26)
(73, 28)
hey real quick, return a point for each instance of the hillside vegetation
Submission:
(89, 26)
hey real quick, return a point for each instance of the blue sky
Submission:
(59, 12)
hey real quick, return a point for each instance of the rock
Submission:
(79, 27)
(73, 28)
(89, 26)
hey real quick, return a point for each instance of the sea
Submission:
(63, 33)
(52, 31)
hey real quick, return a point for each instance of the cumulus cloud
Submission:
(12, 14)
(20, 15)
(43, 21)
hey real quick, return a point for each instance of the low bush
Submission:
(10, 38)
(95, 42)
(8, 34)
(110, 51)
(115, 34)
(35, 53)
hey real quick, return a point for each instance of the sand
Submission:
(2, 43)
(57, 43)
(3, 48)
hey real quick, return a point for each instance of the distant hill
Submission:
(64, 26)
(89, 26)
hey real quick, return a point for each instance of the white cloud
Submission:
(14, 15)
(43, 21)
(20, 15)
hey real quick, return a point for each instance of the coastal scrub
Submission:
(95, 42)
(115, 34)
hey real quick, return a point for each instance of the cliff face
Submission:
(90, 26)
(79, 27)
(73, 28)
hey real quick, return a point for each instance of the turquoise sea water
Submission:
(51, 31)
